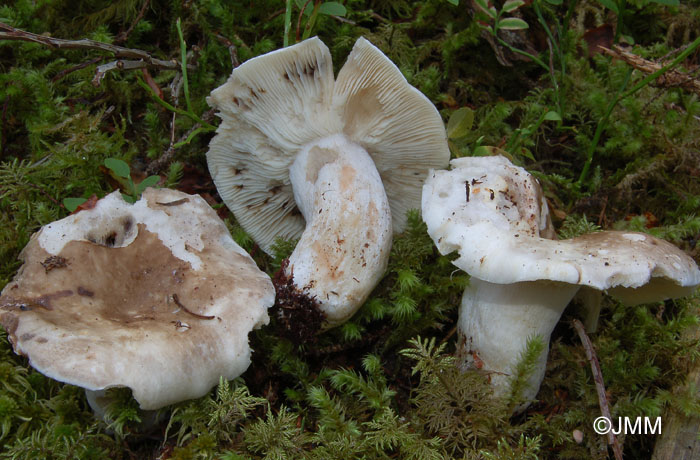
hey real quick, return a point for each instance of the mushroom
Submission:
(153, 296)
(495, 216)
(334, 163)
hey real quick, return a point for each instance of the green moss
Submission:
(369, 389)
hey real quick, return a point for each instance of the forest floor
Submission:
(598, 99)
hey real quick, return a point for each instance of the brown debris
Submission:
(298, 317)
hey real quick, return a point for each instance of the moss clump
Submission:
(384, 384)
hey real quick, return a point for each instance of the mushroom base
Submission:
(298, 315)
(495, 323)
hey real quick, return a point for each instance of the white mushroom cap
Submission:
(502, 237)
(154, 296)
(274, 105)
(494, 215)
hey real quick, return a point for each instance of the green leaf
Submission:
(552, 116)
(512, 24)
(460, 123)
(666, 2)
(484, 5)
(512, 5)
(72, 204)
(555, 2)
(333, 8)
(118, 167)
(128, 198)
(150, 181)
(611, 5)
(453, 2)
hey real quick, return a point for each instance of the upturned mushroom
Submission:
(335, 163)
(153, 296)
(522, 278)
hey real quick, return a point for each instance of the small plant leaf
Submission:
(118, 167)
(72, 204)
(128, 198)
(512, 24)
(150, 181)
(333, 8)
(666, 2)
(484, 5)
(611, 5)
(555, 2)
(512, 5)
(453, 2)
(552, 116)
(460, 123)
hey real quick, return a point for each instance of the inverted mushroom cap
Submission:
(154, 296)
(274, 105)
(501, 238)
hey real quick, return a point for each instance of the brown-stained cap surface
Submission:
(118, 296)
(481, 209)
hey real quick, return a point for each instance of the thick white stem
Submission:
(344, 249)
(496, 320)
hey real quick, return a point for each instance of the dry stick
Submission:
(672, 78)
(82, 65)
(599, 385)
(10, 33)
(124, 35)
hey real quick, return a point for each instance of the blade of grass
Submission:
(183, 64)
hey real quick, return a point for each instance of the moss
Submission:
(370, 388)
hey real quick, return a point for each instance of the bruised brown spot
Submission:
(47, 299)
(329, 261)
(85, 292)
(347, 178)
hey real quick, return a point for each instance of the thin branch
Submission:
(124, 35)
(10, 33)
(599, 385)
(671, 78)
(82, 65)
(102, 70)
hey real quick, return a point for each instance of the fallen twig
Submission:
(599, 385)
(135, 56)
(672, 78)
(124, 35)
